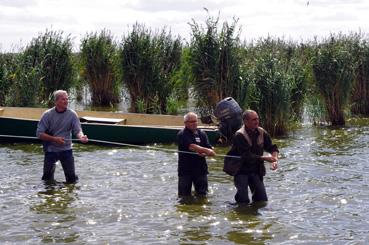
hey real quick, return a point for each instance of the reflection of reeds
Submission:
(98, 55)
(148, 62)
(333, 68)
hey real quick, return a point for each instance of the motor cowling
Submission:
(229, 114)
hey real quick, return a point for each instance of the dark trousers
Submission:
(67, 161)
(256, 184)
(185, 184)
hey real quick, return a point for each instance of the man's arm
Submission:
(201, 150)
(205, 149)
(82, 137)
(273, 150)
(55, 139)
(77, 129)
(43, 127)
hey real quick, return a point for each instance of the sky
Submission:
(299, 20)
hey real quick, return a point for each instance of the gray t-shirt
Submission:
(60, 124)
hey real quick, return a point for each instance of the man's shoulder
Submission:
(201, 132)
(181, 132)
(48, 112)
(72, 112)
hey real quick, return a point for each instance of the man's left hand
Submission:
(274, 165)
(84, 139)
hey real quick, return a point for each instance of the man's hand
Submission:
(83, 138)
(59, 140)
(202, 151)
(274, 165)
(269, 158)
(210, 152)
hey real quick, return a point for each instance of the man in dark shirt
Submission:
(250, 142)
(192, 166)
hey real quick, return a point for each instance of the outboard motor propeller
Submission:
(229, 113)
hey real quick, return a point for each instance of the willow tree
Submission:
(99, 67)
(149, 61)
(334, 72)
(214, 63)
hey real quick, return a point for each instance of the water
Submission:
(319, 195)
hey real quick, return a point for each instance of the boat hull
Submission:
(101, 132)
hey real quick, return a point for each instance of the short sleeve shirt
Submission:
(191, 164)
(60, 124)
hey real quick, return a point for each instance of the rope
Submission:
(164, 149)
(122, 144)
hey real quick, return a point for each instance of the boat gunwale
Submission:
(174, 127)
(6, 112)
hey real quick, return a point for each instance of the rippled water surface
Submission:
(319, 195)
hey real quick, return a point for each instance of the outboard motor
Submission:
(229, 113)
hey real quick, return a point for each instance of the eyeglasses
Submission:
(192, 121)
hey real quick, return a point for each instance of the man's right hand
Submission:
(269, 158)
(59, 140)
(210, 152)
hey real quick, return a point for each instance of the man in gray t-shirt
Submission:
(54, 129)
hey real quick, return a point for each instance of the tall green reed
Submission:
(149, 62)
(214, 61)
(360, 91)
(41, 68)
(6, 75)
(275, 81)
(99, 67)
(334, 68)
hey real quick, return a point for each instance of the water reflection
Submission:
(246, 225)
(319, 195)
(56, 216)
(196, 216)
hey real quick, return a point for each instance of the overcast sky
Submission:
(22, 20)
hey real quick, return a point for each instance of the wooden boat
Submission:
(129, 128)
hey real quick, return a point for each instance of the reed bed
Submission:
(334, 73)
(276, 83)
(100, 69)
(149, 62)
(214, 61)
(283, 81)
(360, 92)
(42, 67)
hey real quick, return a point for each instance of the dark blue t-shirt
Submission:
(191, 164)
